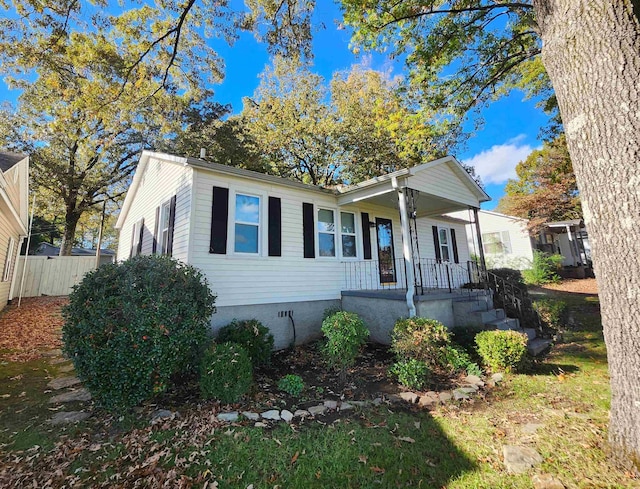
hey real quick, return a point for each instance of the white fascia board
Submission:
(22, 226)
(372, 189)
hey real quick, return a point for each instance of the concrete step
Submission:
(537, 346)
(504, 324)
(531, 333)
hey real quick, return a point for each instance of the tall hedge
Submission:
(131, 326)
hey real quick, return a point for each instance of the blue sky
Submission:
(509, 134)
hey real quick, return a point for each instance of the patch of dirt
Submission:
(27, 331)
(575, 286)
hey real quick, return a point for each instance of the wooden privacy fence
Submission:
(51, 275)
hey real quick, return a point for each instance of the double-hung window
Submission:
(9, 261)
(348, 234)
(497, 243)
(137, 237)
(445, 244)
(326, 233)
(165, 217)
(247, 224)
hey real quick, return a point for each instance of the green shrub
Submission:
(346, 334)
(465, 336)
(455, 358)
(543, 269)
(131, 326)
(226, 373)
(330, 311)
(502, 350)
(420, 339)
(552, 312)
(413, 374)
(474, 369)
(253, 336)
(291, 384)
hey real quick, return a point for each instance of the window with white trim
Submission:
(6, 274)
(348, 234)
(496, 243)
(164, 225)
(326, 233)
(247, 224)
(135, 246)
(444, 237)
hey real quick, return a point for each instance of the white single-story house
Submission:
(14, 194)
(283, 252)
(506, 242)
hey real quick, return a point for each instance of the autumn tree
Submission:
(546, 188)
(590, 51)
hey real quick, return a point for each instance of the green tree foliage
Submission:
(363, 125)
(546, 188)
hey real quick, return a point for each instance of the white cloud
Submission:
(498, 164)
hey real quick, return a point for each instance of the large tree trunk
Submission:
(591, 50)
(69, 234)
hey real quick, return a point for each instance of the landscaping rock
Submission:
(460, 395)
(345, 406)
(260, 424)
(474, 380)
(63, 383)
(317, 410)
(546, 481)
(410, 397)
(428, 399)
(531, 428)
(445, 396)
(65, 368)
(497, 377)
(301, 413)
(377, 401)
(79, 395)
(160, 414)
(251, 416)
(286, 415)
(65, 417)
(58, 360)
(359, 403)
(273, 414)
(228, 417)
(468, 390)
(331, 404)
(518, 459)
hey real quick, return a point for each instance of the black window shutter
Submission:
(308, 231)
(155, 231)
(436, 243)
(219, 219)
(275, 227)
(455, 246)
(366, 236)
(139, 249)
(133, 238)
(172, 220)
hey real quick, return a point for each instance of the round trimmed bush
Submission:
(253, 336)
(226, 373)
(131, 326)
(413, 374)
(421, 339)
(291, 384)
(345, 333)
(502, 350)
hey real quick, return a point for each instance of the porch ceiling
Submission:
(427, 205)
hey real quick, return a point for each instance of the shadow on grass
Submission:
(552, 369)
(374, 449)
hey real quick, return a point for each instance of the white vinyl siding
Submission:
(425, 234)
(442, 181)
(160, 181)
(8, 232)
(163, 228)
(8, 261)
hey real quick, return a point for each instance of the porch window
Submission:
(496, 243)
(165, 211)
(9, 261)
(138, 231)
(445, 244)
(326, 233)
(348, 234)
(247, 224)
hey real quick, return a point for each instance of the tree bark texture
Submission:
(69, 233)
(591, 50)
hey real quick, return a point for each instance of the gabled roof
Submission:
(8, 160)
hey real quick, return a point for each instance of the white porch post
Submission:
(407, 251)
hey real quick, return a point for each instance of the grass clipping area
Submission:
(560, 409)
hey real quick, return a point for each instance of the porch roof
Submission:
(443, 186)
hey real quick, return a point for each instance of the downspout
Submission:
(407, 251)
(26, 256)
(12, 287)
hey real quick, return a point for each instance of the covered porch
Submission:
(433, 257)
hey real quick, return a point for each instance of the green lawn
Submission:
(560, 408)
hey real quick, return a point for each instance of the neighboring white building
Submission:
(283, 252)
(14, 194)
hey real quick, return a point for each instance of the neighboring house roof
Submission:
(570, 222)
(8, 160)
(499, 214)
(46, 249)
(384, 180)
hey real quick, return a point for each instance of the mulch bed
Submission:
(26, 332)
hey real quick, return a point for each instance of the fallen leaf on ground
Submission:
(407, 439)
